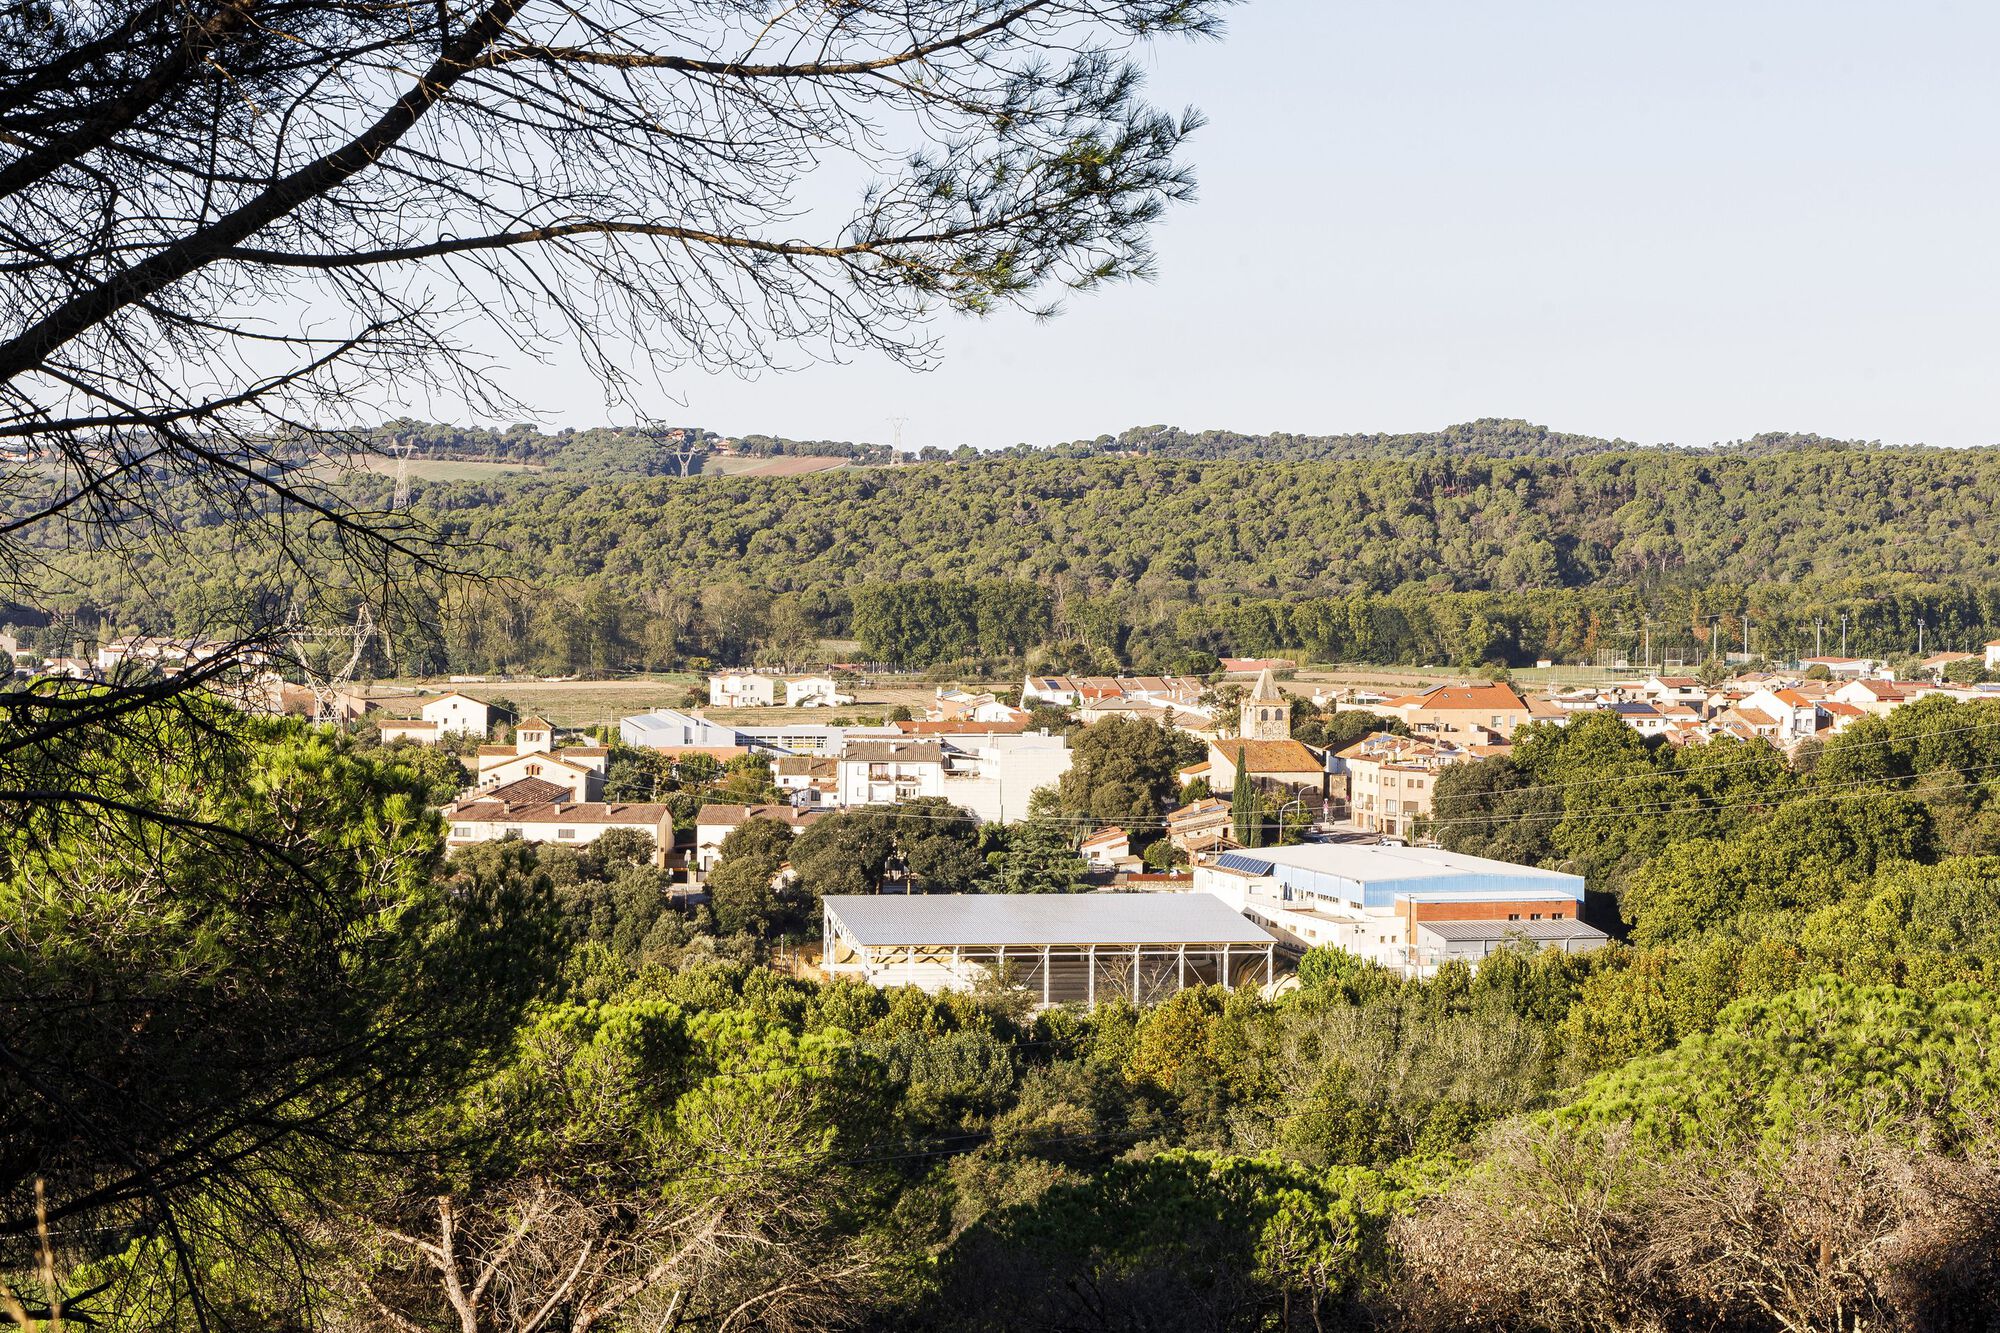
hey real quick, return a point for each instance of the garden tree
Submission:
(220, 1000)
(1039, 853)
(605, 177)
(932, 842)
(633, 774)
(610, 1187)
(1123, 771)
(1918, 927)
(1730, 1182)
(1802, 855)
(440, 772)
(1337, 731)
(740, 883)
(1180, 1240)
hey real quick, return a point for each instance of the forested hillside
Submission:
(1155, 561)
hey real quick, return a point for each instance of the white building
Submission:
(888, 772)
(1374, 901)
(1993, 655)
(457, 714)
(667, 729)
(815, 692)
(994, 776)
(1847, 668)
(742, 689)
(808, 737)
(1059, 947)
(757, 689)
(416, 730)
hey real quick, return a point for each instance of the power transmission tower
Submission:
(896, 425)
(682, 444)
(326, 684)
(402, 499)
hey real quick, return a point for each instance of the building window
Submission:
(1534, 916)
(1513, 916)
(566, 833)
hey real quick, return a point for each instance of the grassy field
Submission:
(582, 703)
(439, 469)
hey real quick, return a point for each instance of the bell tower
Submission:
(1265, 716)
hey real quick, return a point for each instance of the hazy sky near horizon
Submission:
(1671, 222)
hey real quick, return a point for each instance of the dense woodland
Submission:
(530, 1085)
(1494, 543)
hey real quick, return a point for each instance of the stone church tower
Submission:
(1266, 716)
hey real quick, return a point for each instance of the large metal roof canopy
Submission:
(1033, 919)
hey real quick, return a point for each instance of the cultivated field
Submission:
(786, 466)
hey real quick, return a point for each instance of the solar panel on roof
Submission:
(1250, 865)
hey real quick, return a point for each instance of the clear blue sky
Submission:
(1669, 221)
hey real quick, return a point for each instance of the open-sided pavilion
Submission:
(1063, 948)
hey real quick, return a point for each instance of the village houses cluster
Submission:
(1357, 882)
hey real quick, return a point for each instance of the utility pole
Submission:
(1920, 636)
(1843, 633)
(1818, 625)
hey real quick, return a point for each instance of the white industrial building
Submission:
(1407, 908)
(667, 729)
(1061, 948)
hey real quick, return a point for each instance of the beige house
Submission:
(1466, 714)
(540, 811)
(1878, 697)
(714, 823)
(1107, 848)
(889, 772)
(579, 769)
(1392, 780)
(1199, 826)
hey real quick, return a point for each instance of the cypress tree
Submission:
(1246, 814)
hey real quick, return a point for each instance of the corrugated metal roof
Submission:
(987, 919)
(1372, 863)
(1539, 932)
